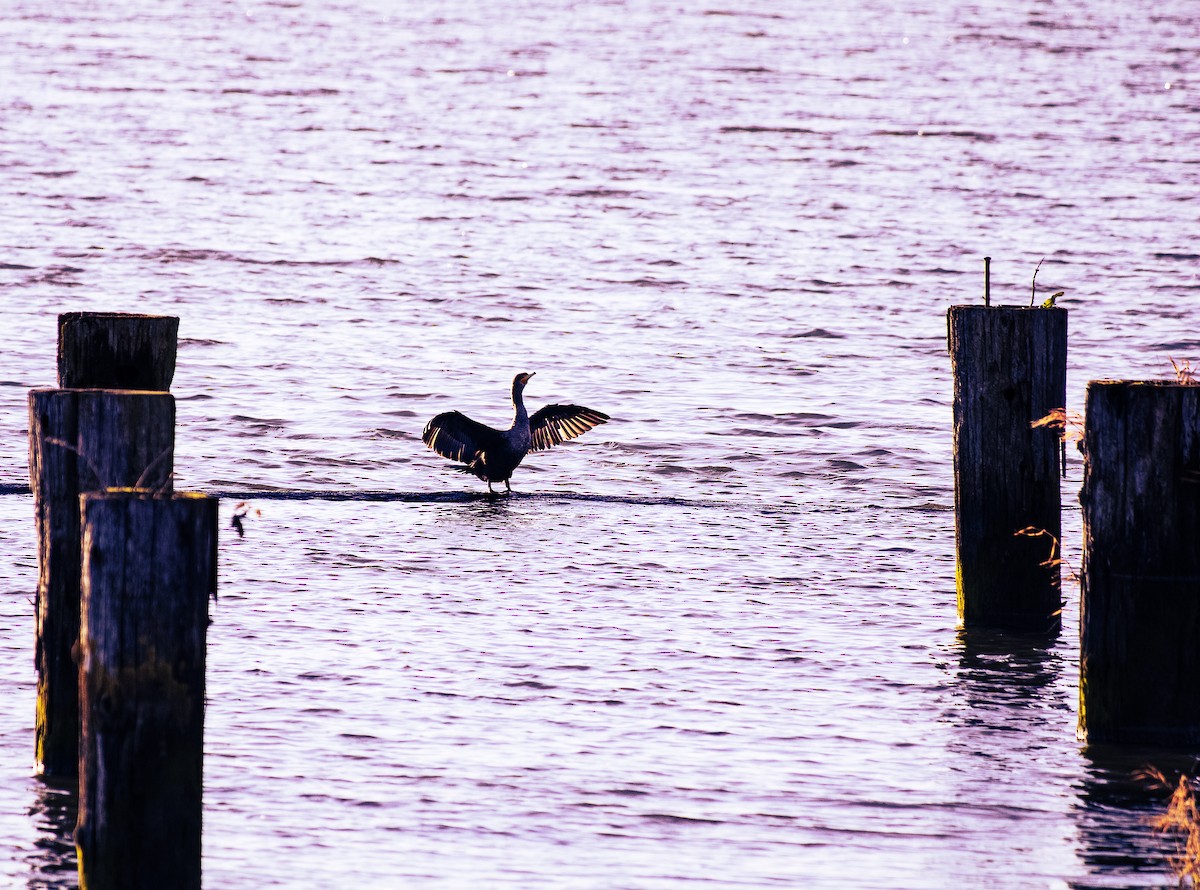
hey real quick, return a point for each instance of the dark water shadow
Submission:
(1121, 792)
(443, 497)
(1009, 709)
(1014, 719)
(458, 497)
(428, 497)
(1009, 681)
(52, 863)
(451, 497)
(366, 495)
(1014, 703)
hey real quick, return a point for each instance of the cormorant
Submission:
(492, 455)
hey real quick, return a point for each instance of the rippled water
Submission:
(713, 642)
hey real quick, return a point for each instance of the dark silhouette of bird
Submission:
(491, 454)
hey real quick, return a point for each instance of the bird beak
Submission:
(530, 374)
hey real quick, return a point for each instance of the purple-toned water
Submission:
(729, 656)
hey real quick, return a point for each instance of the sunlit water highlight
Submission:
(714, 641)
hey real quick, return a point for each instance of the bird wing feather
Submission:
(458, 437)
(555, 424)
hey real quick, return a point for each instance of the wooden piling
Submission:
(1010, 369)
(149, 568)
(1140, 603)
(116, 350)
(80, 440)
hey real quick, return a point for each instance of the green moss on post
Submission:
(1140, 603)
(1010, 369)
(149, 568)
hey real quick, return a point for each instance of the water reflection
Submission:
(1010, 706)
(1015, 700)
(52, 864)
(1002, 672)
(1118, 802)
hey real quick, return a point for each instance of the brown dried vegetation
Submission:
(1182, 821)
(1067, 424)
(1185, 374)
(1054, 560)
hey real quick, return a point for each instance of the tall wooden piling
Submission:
(80, 440)
(1010, 369)
(149, 568)
(1140, 606)
(116, 350)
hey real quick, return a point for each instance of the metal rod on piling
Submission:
(149, 568)
(987, 281)
(1010, 369)
(1140, 598)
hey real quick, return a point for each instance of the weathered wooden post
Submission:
(1140, 606)
(116, 350)
(77, 446)
(149, 568)
(80, 440)
(1010, 369)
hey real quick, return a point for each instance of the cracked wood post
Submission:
(116, 350)
(1140, 600)
(1010, 369)
(80, 440)
(149, 568)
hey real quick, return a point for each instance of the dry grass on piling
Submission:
(1182, 821)
(1185, 374)
(1067, 424)
(1054, 560)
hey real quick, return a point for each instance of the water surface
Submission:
(729, 655)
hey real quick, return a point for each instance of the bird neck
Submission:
(520, 415)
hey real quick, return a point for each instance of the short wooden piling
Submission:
(116, 350)
(149, 568)
(80, 440)
(1010, 369)
(1140, 605)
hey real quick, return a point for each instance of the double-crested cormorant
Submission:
(492, 455)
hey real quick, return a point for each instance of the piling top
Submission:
(64, 317)
(1006, 325)
(112, 390)
(1159, 384)
(124, 350)
(975, 307)
(120, 492)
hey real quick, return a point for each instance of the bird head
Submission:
(521, 379)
